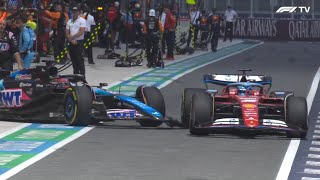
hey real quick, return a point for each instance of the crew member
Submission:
(108, 32)
(215, 22)
(170, 30)
(137, 18)
(89, 23)
(204, 26)
(194, 25)
(117, 26)
(152, 29)
(8, 47)
(60, 19)
(75, 35)
(162, 18)
(230, 17)
(26, 41)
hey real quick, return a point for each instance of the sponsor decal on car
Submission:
(249, 100)
(121, 113)
(249, 106)
(22, 84)
(226, 121)
(39, 85)
(11, 97)
(272, 122)
(23, 77)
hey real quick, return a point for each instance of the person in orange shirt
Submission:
(152, 29)
(59, 21)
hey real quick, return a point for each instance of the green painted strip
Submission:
(39, 135)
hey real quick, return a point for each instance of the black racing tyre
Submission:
(297, 116)
(152, 97)
(77, 105)
(186, 104)
(201, 112)
(282, 95)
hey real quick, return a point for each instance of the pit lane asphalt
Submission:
(124, 151)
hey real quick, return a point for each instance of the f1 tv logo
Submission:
(293, 9)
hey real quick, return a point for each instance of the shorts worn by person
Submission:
(75, 35)
(8, 49)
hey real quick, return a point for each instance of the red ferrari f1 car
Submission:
(244, 105)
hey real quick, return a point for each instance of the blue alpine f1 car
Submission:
(40, 93)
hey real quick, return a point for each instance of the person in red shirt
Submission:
(170, 30)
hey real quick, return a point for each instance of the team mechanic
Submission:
(75, 35)
(8, 46)
(215, 22)
(152, 29)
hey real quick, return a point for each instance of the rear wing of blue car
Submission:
(225, 79)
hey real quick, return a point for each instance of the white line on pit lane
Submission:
(315, 143)
(313, 163)
(315, 149)
(311, 171)
(309, 178)
(294, 144)
(314, 156)
(315, 137)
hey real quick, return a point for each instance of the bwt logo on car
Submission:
(293, 9)
(11, 98)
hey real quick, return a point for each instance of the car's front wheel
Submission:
(152, 97)
(77, 105)
(297, 116)
(201, 112)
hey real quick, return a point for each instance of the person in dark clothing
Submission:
(152, 29)
(109, 29)
(214, 22)
(8, 47)
(117, 26)
(204, 26)
(137, 19)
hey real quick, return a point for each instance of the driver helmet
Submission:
(241, 90)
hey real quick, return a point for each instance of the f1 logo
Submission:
(293, 9)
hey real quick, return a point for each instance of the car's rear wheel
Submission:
(77, 105)
(297, 116)
(201, 112)
(186, 104)
(152, 97)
